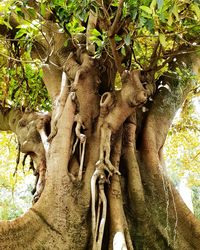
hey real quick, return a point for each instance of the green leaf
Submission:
(7, 24)
(31, 11)
(146, 9)
(96, 40)
(170, 20)
(150, 25)
(123, 51)
(79, 29)
(20, 33)
(160, 4)
(43, 9)
(66, 43)
(153, 5)
(95, 32)
(127, 39)
(117, 38)
(162, 39)
(195, 8)
(175, 12)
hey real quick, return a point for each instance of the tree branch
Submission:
(116, 56)
(92, 21)
(17, 60)
(113, 28)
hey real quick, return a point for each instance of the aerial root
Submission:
(81, 138)
(35, 183)
(99, 217)
(43, 120)
(82, 156)
(104, 156)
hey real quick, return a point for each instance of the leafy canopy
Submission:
(154, 29)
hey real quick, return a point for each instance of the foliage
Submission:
(15, 191)
(155, 29)
(21, 76)
(182, 147)
(21, 83)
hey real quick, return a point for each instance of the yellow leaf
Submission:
(162, 39)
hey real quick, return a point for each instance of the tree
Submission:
(182, 151)
(116, 72)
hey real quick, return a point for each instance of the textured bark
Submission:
(137, 199)
(133, 205)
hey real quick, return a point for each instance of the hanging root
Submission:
(101, 222)
(40, 180)
(82, 139)
(82, 155)
(95, 176)
(105, 150)
(104, 162)
(35, 184)
(99, 218)
(41, 125)
(35, 173)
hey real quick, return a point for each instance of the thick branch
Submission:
(91, 25)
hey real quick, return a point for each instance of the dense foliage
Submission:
(155, 29)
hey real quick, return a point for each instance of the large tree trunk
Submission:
(105, 185)
(123, 168)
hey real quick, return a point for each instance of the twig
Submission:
(154, 57)
(17, 60)
(112, 31)
(116, 56)
(106, 14)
